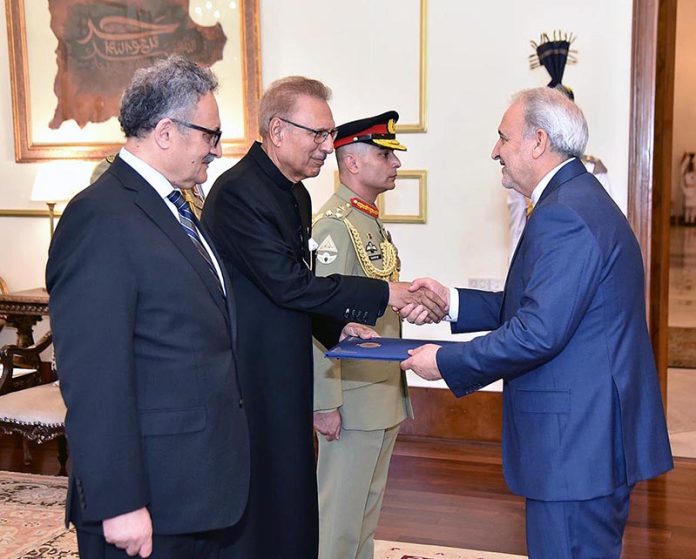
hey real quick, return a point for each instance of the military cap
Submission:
(378, 130)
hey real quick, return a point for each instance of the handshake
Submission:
(423, 301)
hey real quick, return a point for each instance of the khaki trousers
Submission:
(351, 477)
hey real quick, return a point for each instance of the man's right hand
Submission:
(131, 532)
(328, 424)
(404, 298)
(418, 314)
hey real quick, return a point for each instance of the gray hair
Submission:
(171, 87)
(553, 112)
(279, 99)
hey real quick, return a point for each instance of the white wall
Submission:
(684, 132)
(477, 57)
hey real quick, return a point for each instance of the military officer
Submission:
(358, 405)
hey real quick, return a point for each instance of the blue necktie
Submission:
(186, 220)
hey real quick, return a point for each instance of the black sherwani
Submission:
(260, 223)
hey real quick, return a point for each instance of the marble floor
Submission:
(681, 383)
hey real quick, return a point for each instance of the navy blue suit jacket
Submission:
(145, 349)
(582, 408)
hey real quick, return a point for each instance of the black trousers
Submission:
(215, 544)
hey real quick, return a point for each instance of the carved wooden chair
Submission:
(3, 290)
(26, 369)
(36, 412)
(20, 366)
(688, 186)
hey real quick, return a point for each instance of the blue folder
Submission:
(384, 349)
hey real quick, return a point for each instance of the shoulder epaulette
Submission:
(339, 212)
(598, 164)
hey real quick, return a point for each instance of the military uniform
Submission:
(372, 396)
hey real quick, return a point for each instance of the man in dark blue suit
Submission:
(583, 418)
(143, 320)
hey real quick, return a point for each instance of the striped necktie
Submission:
(186, 220)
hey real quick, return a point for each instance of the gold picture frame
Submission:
(420, 126)
(28, 148)
(420, 215)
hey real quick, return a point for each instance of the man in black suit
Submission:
(144, 325)
(259, 215)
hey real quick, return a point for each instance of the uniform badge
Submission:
(370, 247)
(327, 251)
(328, 245)
(326, 257)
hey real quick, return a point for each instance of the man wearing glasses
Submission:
(144, 325)
(259, 214)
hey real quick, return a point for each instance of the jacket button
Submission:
(241, 402)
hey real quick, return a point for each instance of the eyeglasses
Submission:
(215, 135)
(319, 135)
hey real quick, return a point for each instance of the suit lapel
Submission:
(147, 199)
(230, 302)
(568, 172)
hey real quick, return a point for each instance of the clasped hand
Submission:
(328, 422)
(422, 301)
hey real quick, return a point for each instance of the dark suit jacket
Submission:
(144, 344)
(582, 407)
(260, 223)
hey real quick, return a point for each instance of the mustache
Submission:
(209, 158)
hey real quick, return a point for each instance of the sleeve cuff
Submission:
(453, 314)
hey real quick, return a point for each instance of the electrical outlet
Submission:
(486, 284)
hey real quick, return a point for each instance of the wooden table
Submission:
(22, 310)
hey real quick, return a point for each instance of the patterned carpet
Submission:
(400, 550)
(682, 347)
(31, 518)
(32, 512)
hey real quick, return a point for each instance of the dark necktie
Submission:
(186, 220)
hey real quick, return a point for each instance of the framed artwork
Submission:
(407, 203)
(70, 60)
(421, 125)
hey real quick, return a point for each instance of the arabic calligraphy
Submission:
(102, 42)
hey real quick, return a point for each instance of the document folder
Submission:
(384, 349)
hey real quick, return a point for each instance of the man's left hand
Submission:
(357, 330)
(423, 362)
(328, 424)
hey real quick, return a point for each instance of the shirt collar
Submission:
(267, 165)
(544, 182)
(347, 195)
(152, 176)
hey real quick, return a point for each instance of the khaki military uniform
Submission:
(372, 396)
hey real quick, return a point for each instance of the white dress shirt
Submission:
(163, 187)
